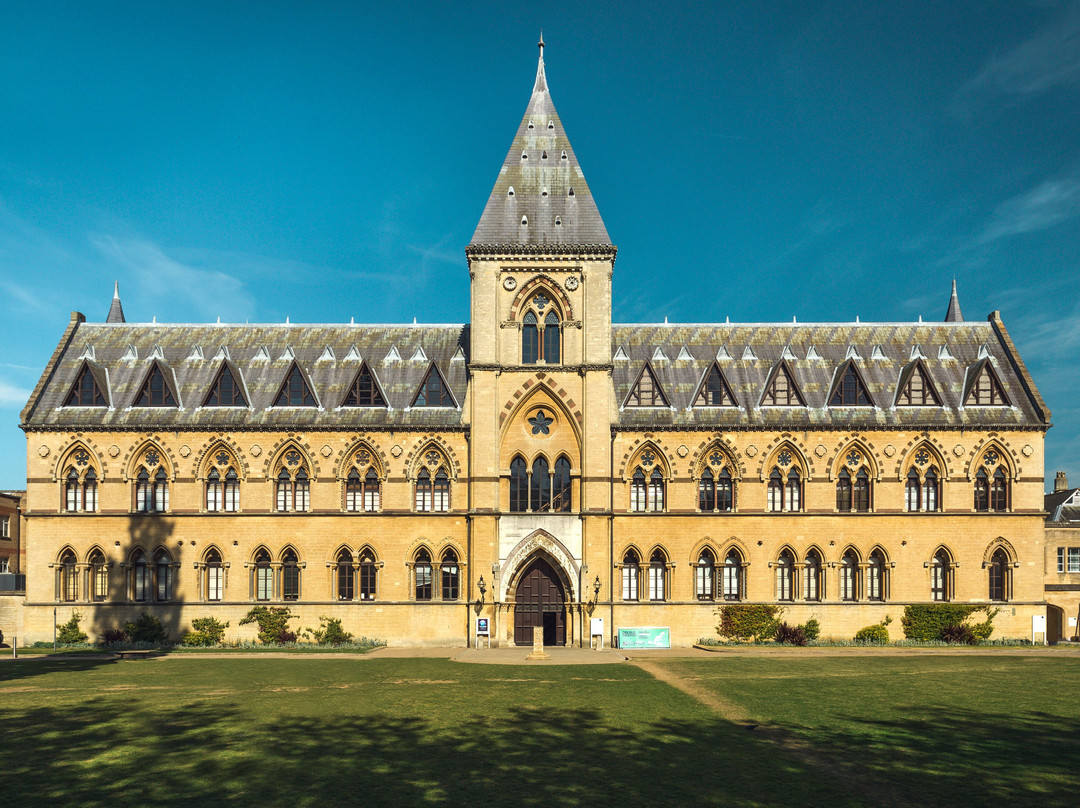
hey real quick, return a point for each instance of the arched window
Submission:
(354, 491)
(442, 491)
(423, 490)
(657, 576)
(530, 340)
(552, 338)
(999, 491)
(725, 492)
(812, 576)
(982, 490)
(163, 576)
(560, 486)
(345, 579)
(231, 491)
(705, 575)
(519, 486)
(140, 577)
(302, 490)
(215, 576)
(214, 494)
(69, 578)
(785, 578)
(144, 498)
(793, 491)
(450, 576)
(372, 491)
(638, 491)
(707, 491)
(264, 576)
(293, 489)
(733, 577)
(843, 491)
(540, 496)
(876, 582)
(368, 575)
(940, 576)
(849, 577)
(72, 490)
(422, 573)
(861, 492)
(931, 490)
(785, 494)
(912, 489)
(99, 576)
(776, 491)
(290, 576)
(90, 491)
(283, 491)
(656, 491)
(999, 576)
(631, 571)
(161, 491)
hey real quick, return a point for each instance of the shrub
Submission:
(147, 629)
(70, 631)
(273, 624)
(114, 635)
(959, 633)
(330, 632)
(876, 634)
(205, 631)
(790, 635)
(744, 622)
(811, 628)
(927, 622)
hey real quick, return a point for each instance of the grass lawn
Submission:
(324, 731)
(947, 730)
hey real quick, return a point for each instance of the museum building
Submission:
(538, 466)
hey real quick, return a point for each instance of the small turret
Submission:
(116, 311)
(953, 315)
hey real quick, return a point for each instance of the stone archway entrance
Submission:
(540, 604)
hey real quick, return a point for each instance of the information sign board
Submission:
(483, 627)
(644, 637)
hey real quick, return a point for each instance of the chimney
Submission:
(1061, 482)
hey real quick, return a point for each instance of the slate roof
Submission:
(103, 347)
(882, 353)
(1062, 506)
(550, 203)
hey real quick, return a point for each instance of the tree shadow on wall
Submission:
(216, 754)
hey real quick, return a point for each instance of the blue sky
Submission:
(758, 161)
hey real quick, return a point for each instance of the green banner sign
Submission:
(644, 638)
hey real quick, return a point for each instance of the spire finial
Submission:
(541, 79)
(541, 43)
(116, 311)
(116, 290)
(952, 314)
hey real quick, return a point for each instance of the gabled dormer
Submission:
(89, 388)
(714, 391)
(781, 389)
(916, 388)
(646, 390)
(983, 387)
(227, 389)
(365, 390)
(433, 390)
(849, 389)
(295, 390)
(158, 388)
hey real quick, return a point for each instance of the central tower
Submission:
(540, 394)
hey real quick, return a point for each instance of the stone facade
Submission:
(642, 474)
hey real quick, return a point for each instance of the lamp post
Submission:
(596, 595)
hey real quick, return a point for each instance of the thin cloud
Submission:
(1047, 60)
(166, 281)
(12, 396)
(1048, 204)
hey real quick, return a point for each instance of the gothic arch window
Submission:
(530, 339)
(423, 491)
(69, 578)
(163, 576)
(368, 569)
(80, 490)
(263, 576)
(785, 486)
(222, 491)
(658, 574)
(519, 485)
(849, 576)
(362, 493)
(785, 576)
(99, 576)
(992, 483)
(812, 576)
(733, 576)
(560, 485)
(151, 485)
(1000, 570)
(631, 575)
(705, 576)
(647, 493)
(140, 577)
(215, 576)
(716, 492)
(922, 485)
(540, 488)
(432, 484)
(292, 486)
(541, 332)
(422, 575)
(877, 577)
(853, 492)
(345, 578)
(451, 575)
(941, 576)
(290, 575)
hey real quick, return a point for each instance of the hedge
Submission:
(927, 622)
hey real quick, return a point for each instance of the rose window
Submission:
(292, 458)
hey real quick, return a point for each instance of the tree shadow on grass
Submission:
(956, 756)
(27, 667)
(221, 754)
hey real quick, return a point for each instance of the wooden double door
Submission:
(540, 603)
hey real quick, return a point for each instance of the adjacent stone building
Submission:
(1063, 560)
(539, 465)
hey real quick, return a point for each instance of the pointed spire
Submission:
(953, 315)
(116, 311)
(540, 197)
